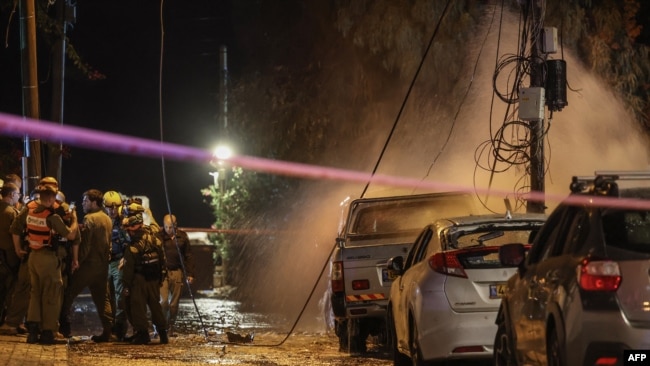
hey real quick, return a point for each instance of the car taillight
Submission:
(606, 361)
(599, 275)
(447, 263)
(337, 277)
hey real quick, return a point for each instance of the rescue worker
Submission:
(65, 245)
(143, 273)
(90, 265)
(40, 221)
(178, 254)
(9, 261)
(18, 301)
(113, 206)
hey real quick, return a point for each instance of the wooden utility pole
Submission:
(65, 15)
(537, 59)
(32, 157)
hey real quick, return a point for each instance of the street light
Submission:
(220, 155)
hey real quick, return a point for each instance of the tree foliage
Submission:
(606, 34)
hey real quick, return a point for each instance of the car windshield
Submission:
(627, 229)
(492, 237)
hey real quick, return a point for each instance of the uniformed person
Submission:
(9, 262)
(143, 272)
(90, 265)
(113, 208)
(40, 221)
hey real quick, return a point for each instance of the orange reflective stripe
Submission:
(365, 297)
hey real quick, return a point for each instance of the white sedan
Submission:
(446, 293)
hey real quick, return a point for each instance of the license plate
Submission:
(387, 276)
(497, 290)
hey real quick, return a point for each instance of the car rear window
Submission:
(628, 230)
(407, 216)
(494, 237)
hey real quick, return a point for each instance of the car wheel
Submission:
(352, 335)
(503, 353)
(554, 349)
(416, 352)
(342, 333)
(399, 359)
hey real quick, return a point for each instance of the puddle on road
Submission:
(214, 316)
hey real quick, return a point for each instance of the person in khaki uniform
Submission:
(90, 265)
(39, 219)
(143, 273)
(9, 261)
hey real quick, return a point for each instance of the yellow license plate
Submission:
(497, 290)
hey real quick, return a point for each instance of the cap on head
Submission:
(112, 199)
(49, 181)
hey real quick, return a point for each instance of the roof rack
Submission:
(604, 182)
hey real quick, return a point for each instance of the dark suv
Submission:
(582, 294)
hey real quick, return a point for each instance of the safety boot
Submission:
(141, 337)
(163, 336)
(119, 331)
(65, 328)
(104, 337)
(33, 332)
(47, 337)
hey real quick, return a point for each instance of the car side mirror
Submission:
(340, 242)
(396, 264)
(512, 255)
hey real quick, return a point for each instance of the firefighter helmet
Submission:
(46, 188)
(112, 199)
(49, 181)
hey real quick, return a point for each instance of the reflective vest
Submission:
(38, 233)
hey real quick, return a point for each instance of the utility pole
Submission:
(65, 16)
(32, 157)
(223, 92)
(537, 169)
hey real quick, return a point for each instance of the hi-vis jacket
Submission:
(38, 233)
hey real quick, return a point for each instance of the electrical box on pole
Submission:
(531, 104)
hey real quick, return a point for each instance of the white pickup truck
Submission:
(374, 230)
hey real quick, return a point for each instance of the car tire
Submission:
(416, 352)
(399, 359)
(503, 352)
(352, 336)
(342, 333)
(555, 355)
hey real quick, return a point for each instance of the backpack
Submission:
(151, 260)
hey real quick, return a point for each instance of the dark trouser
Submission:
(93, 276)
(18, 299)
(145, 293)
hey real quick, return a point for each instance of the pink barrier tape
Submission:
(17, 126)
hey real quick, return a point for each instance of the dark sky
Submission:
(124, 43)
